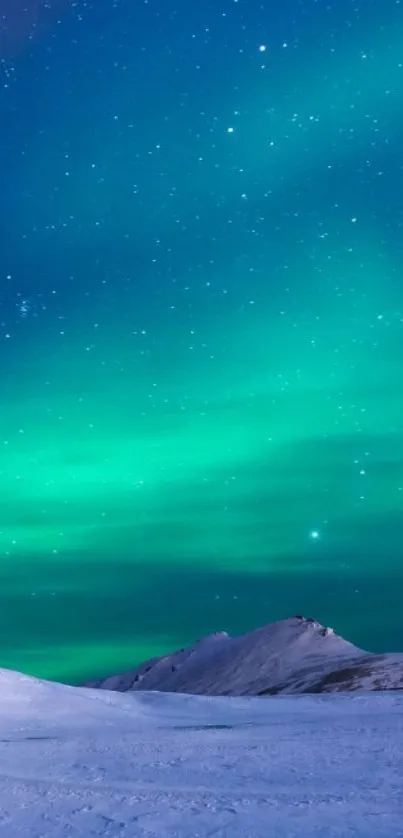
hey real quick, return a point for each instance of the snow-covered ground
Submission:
(76, 763)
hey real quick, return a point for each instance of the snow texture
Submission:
(78, 763)
(297, 655)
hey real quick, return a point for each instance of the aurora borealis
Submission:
(201, 325)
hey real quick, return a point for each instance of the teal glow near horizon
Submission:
(201, 335)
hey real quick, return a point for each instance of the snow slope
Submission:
(297, 655)
(79, 763)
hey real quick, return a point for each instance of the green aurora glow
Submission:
(202, 342)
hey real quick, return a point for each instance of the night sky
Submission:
(201, 324)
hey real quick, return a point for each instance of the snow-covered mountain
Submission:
(297, 655)
(76, 763)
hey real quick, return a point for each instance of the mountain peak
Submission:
(295, 655)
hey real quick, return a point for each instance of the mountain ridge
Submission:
(295, 655)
